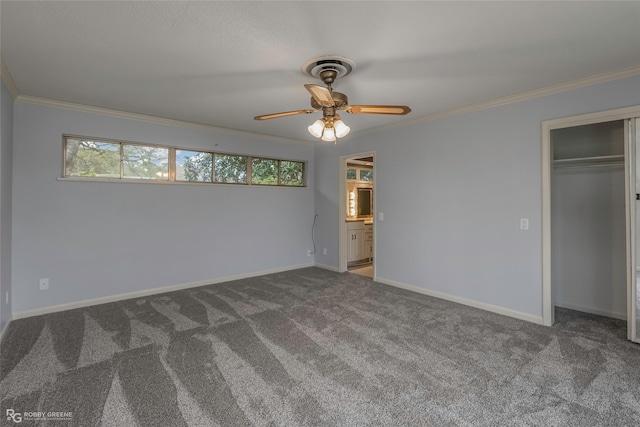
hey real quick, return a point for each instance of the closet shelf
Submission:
(614, 160)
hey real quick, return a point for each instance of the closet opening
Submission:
(591, 216)
(588, 219)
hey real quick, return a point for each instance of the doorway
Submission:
(358, 194)
(588, 169)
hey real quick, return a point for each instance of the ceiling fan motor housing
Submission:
(340, 101)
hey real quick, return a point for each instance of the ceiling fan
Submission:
(325, 99)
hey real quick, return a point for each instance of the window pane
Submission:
(144, 162)
(92, 158)
(366, 175)
(193, 166)
(291, 173)
(232, 169)
(264, 172)
(351, 173)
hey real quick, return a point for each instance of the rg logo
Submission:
(14, 416)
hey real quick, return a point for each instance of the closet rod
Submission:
(589, 166)
(584, 162)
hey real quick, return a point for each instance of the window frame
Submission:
(173, 165)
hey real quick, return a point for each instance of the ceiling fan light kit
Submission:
(329, 135)
(317, 128)
(342, 130)
(331, 127)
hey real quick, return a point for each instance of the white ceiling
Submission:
(222, 63)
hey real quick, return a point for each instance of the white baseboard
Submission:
(147, 292)
(465, 301)
(327, 267)
(591, 310)
(154, 291)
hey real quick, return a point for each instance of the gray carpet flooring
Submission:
(311, 347)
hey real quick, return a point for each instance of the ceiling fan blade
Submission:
(283, 114)
(379, 109)
(320, 94)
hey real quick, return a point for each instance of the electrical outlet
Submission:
(324, 251)
(6, 297)
(524, 223)
(44, 284)
(309, 252)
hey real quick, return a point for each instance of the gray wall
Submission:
(6, 144)
(452, 192)
(588, 240)
(94, 239)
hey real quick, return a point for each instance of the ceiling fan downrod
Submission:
(328, 76)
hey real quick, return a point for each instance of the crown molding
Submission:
(145, 118)
(536, 93)
(8, 81)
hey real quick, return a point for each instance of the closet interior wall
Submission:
(588, 246)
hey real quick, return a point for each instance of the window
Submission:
(366, 175)
(105, 159)
(144, 162)
(291, 173)
(277, 172)
(92, 159)
(231, 169)
(193, 166)
(264, 171)
(351, 173)
(359, 173)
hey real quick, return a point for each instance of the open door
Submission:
(632, 147)
(357, 175)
